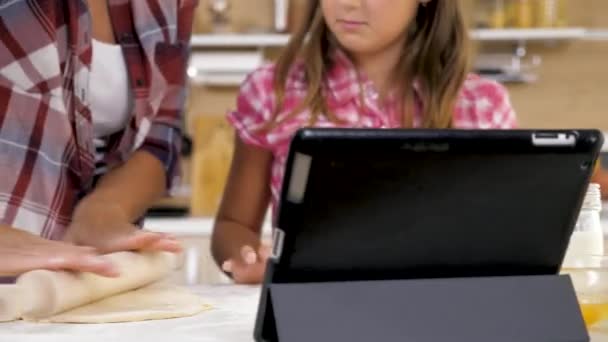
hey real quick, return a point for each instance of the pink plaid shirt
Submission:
(46, 133)
(482, 104)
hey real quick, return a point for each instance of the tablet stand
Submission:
(499, 309)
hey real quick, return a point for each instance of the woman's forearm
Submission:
(134, 186)
(105, 219)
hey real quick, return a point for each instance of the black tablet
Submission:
(397, 204)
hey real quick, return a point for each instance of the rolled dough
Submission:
(67, 297)
(47, 293)
(156, 301)
(10, 303)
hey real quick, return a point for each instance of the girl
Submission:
(91, 96)
(355, 63)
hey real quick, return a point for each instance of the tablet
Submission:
(375, 204)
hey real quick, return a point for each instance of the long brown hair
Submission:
(436, 56)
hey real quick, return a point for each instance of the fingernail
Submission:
(169, 236)
(172, 245)
(251, 258)
(88, 250)
(96, 261)
(56, 261)
(227, 266)
(113, 271)
(102, 263)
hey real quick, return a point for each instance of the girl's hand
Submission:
(248, 267)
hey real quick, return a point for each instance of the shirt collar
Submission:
(343, 79)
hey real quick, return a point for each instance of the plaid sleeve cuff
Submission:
(164, 142)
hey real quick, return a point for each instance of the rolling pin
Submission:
(46, 293)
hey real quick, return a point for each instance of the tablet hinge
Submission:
(278, 237)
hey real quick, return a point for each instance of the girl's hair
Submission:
(436, 57)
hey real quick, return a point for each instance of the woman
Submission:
(91, 93)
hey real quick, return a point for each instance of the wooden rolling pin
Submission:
(40, 294)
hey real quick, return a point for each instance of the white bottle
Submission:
(588, 236)
(281, 10)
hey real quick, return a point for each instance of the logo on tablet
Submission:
(426, 147)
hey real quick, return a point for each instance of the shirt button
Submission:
(126, 38)
(371, 92)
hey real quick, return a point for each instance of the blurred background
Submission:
(551, 54)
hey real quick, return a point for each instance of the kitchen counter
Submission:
(181, 226)
(231, 320)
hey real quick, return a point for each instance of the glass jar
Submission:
(550, 13)
(545, 12)
(490, 14)
(590, 280)
(588, 236)
(521, 13)
(219, 10)
(281, 15)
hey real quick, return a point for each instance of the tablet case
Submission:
(324, 253)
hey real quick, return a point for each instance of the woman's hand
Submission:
(106, 227)
(248, 267)
(21, 252)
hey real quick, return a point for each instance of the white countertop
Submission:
(231, 320)
(181, 225)
(188, 225)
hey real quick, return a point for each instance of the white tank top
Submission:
(110, 98)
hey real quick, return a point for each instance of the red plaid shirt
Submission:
(46, 133)
(482, 104)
